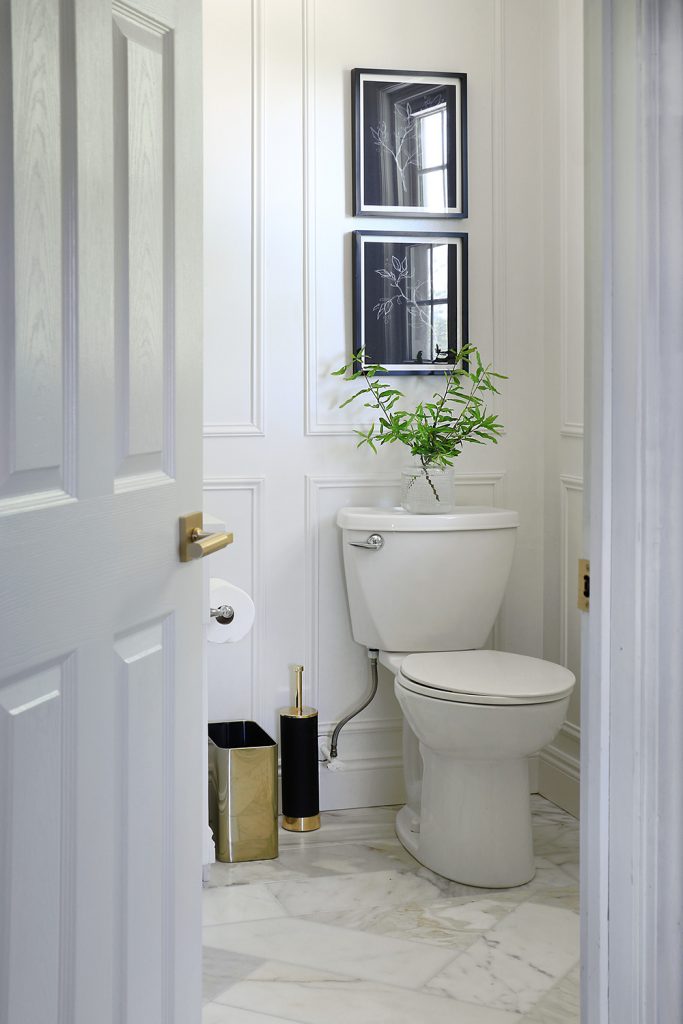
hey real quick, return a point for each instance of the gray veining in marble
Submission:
(346, 925)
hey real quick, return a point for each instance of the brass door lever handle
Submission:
(195, 542)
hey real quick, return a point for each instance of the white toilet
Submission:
(425, 591)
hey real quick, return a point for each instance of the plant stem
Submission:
(429, 479)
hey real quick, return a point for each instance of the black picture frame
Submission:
(410, 305)
(401, 168)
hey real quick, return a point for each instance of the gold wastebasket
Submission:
(242, 791)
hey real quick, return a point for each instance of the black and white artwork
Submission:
(410, 149)
(409, 299)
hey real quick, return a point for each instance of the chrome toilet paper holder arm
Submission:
(224, 614)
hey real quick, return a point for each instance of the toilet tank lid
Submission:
(465, 517)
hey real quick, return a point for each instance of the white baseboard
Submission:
(378, 782)
(365, 782)
(558, 779)
(533, 774)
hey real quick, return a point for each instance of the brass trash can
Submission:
(242, 791)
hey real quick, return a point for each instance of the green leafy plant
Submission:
(434, 431)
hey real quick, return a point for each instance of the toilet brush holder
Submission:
(299, 757)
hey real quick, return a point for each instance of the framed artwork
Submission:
(409, 298)
(410, 143)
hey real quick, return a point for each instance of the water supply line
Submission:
(372, 655)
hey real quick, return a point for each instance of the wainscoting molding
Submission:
(568, 484)
(255, 426)
(314, 485)
(254, 486)
(374, 748)
(499, 245)
(559, 769)
(567, 80)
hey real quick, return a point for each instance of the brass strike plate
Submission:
(583, 602)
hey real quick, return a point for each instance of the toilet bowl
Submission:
(424, 591)
(477, 717)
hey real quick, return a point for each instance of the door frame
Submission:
(632, 714)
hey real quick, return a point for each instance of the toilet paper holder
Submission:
(224, 614)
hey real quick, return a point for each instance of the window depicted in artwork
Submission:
(410, 299)
(410, 143)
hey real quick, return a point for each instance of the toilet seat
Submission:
(484, 677)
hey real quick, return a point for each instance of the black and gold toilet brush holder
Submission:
(299, 756)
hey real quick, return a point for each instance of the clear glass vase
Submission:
(428, 491)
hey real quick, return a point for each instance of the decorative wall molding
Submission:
(314, 485)
(559, 770)
(558, 776)
(568, 484)
(564, 762)
(572, 731)
(498, 230)
(566, 81)
(255, 486)
(376, 733)
(255, 427)
(311, 425)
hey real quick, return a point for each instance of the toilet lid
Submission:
(485, 677)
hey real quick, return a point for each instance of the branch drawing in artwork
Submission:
(399, 277)
(402, 145)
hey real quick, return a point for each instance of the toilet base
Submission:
(475, 821)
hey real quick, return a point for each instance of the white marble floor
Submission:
(347, 926)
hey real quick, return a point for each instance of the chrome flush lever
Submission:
(375, 542)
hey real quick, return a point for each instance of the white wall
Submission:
(280, 457)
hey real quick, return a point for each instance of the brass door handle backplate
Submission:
(195, 542)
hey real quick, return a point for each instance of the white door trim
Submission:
(632, 728)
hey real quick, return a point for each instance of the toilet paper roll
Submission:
(222, 592)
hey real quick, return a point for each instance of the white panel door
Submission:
(100, 432)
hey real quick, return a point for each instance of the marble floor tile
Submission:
(346, 926)
(314, 997)
(566, 897)
(356, 824)
(342, 893)
(548, 876)
(557, 840)
(248, 872)
(220, 1013)
(327, 947)
(231, 903)
(515, 963)
(560, 1005)
(452, 923)
(341, 858)
(222, 968)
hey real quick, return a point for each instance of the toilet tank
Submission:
(436, 583)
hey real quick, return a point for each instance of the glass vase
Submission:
(428, 490)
